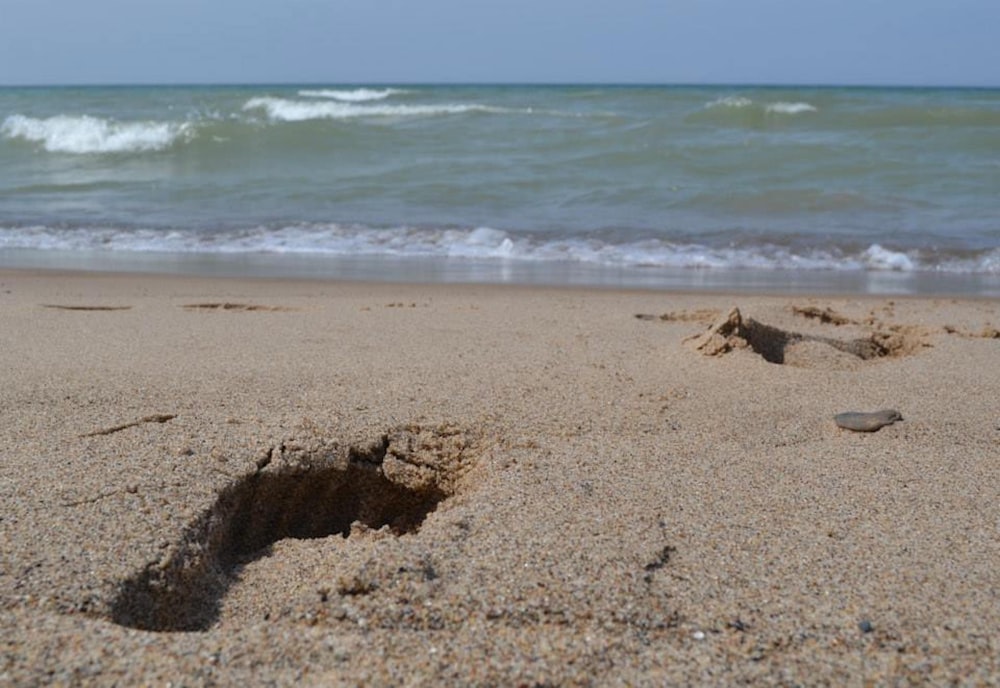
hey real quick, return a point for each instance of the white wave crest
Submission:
(285, 110)
(781, 108)
(357, 95)
(777, 108)
(730, 102)
(878, 258)
(85, 134)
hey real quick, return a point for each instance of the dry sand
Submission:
(539, 487)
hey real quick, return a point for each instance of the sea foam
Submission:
(85, 134)
(879, 258)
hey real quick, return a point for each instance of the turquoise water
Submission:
(864, 189)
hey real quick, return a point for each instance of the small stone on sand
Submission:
(867, 422)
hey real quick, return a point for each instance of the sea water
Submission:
(853, 189)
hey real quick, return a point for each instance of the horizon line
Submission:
(540, 84)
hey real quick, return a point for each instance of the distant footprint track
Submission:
(65, 307)
(229, 306)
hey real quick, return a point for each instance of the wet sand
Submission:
(250, 481)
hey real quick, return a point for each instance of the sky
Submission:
(879, 42)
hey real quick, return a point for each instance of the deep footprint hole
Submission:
(317, 500)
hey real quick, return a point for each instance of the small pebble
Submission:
(867, 422)
(698, 635)
(866, 626)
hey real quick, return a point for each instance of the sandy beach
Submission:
(219, 481)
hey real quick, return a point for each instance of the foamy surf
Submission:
(878, 258)
(85, 134)
(486, 243)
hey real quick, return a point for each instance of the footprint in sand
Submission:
(301, 493)
(777, 345)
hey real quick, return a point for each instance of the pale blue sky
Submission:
(935, 42)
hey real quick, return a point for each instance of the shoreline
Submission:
(493, 484)
(436, 270)
(260, 283)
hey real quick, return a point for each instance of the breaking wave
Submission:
(86, 134)
(283, 109)
(775, 108)
(739, 111)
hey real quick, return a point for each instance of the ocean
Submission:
(858, 190)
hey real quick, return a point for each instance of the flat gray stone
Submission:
(867, 422)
